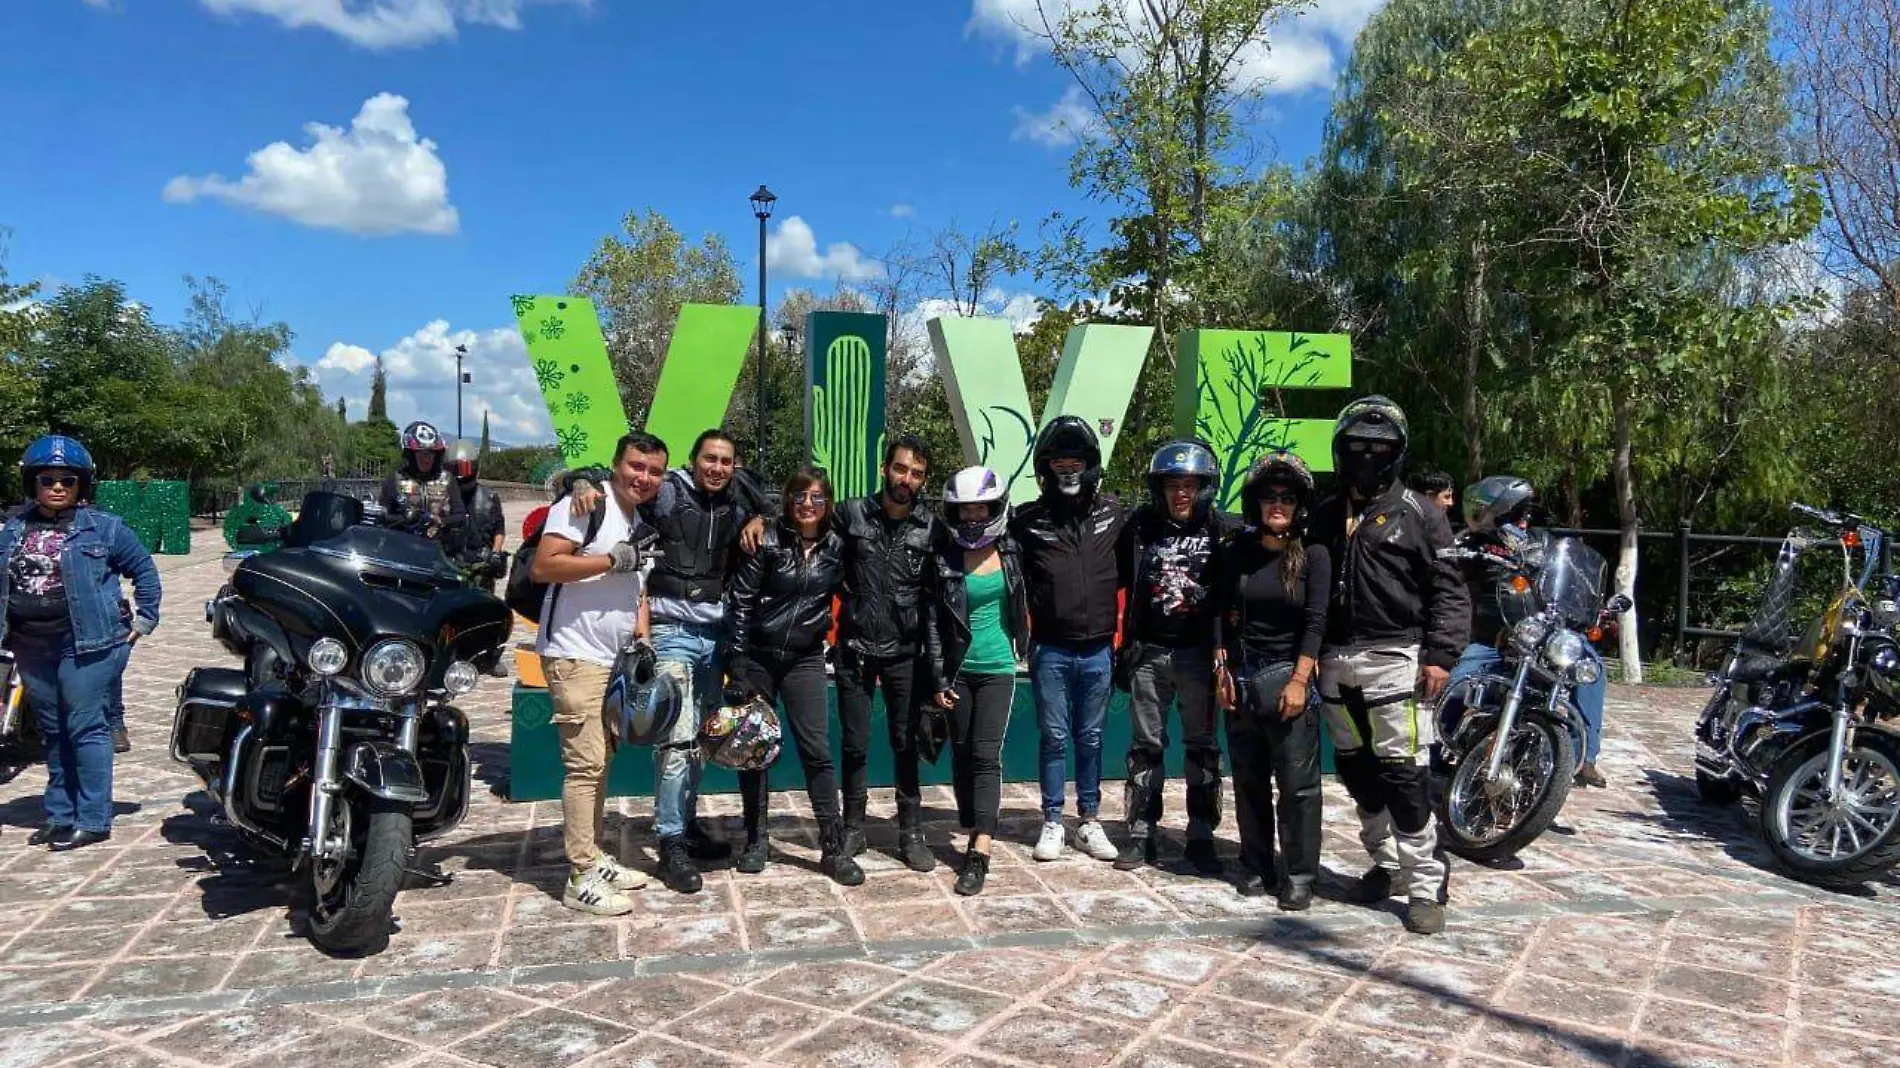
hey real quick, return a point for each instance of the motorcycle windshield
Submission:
(381, 549)
(1573, 579)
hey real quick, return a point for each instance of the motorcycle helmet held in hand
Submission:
(1068, 437)
(641, 699)
(56, 450)
(1491, 503)
(1278, 468)
(1370, 442)
(976, 485)
(743, 737)
(1184, 458)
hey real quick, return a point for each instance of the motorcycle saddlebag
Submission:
(207, 707)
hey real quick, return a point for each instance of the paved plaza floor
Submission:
(1645, 930)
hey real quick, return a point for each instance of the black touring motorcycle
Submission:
(336, 745)
(1809, 725)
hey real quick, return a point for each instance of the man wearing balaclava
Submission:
(1398, 622)
(1071, 566)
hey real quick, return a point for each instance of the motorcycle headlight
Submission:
(1564, 649)
(328, 656)
(460, 677)
(392, 668)
(1528, 634)
(1588, 670)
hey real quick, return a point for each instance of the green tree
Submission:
(484, 446)
(1629, 154)
(378, 395)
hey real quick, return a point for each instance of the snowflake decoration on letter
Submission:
(522, 304)
(552, 328)
(548, 375)
(573, 441)
(577, 404)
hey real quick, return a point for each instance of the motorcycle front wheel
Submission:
(1489, 821)
(353, 898)
(1842, 843)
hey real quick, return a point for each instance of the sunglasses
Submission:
(62, 481)
(815, 499)
(1271, 497)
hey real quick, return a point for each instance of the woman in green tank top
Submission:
(982, 626)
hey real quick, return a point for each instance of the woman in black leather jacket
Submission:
(976, 638)
(778, 614)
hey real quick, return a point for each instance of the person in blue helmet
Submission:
(61, 567)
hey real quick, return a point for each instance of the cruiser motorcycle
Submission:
(1510, 736)
(19, 730)
(1809, 726)
(335, 746)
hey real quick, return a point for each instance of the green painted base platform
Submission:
(534, 761)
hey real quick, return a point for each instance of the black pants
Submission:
(797, 685)
(1268, 751)
(977, 725)
(902, 681)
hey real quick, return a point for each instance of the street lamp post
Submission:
(762, 209)
(461, 376)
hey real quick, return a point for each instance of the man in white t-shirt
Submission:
(596, 603)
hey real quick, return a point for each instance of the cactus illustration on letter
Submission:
(841, 418)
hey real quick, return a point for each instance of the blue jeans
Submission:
(1071, 688)
(692, 651)
(1589, 697)
(70, 692)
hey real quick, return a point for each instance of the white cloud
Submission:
(377, 24)
(421, 369)
(794, 250)
(903, 211)
(1067, 121)
(377, 177)
(1301, 52)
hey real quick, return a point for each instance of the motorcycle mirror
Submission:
(1618, 605)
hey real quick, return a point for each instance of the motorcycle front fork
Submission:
(1494, 762)
(327, 784)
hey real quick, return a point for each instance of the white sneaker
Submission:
(1049, 846)
(1090, 838)
(588, 892)
(618, 877)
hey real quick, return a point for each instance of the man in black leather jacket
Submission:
(891, 541)
(1398, 623)
(1070, 538)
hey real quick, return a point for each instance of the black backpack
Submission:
(524, 596)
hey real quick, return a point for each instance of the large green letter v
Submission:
(990, 402)
(577, 379)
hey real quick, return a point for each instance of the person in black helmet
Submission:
(1271, 590)
(1399, 621)
(1499, 512)
(480, 539)
(421, 495)
(1167, 652)
(1069, 538)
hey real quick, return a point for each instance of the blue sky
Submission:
(496, 141)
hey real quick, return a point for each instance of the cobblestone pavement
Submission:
(1645, 930)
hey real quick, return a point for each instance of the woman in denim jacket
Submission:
(60, 571)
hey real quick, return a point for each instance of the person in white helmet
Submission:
(981, 633)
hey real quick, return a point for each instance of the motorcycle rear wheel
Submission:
(1489, 829)
(1835, 848)
(352, 904)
